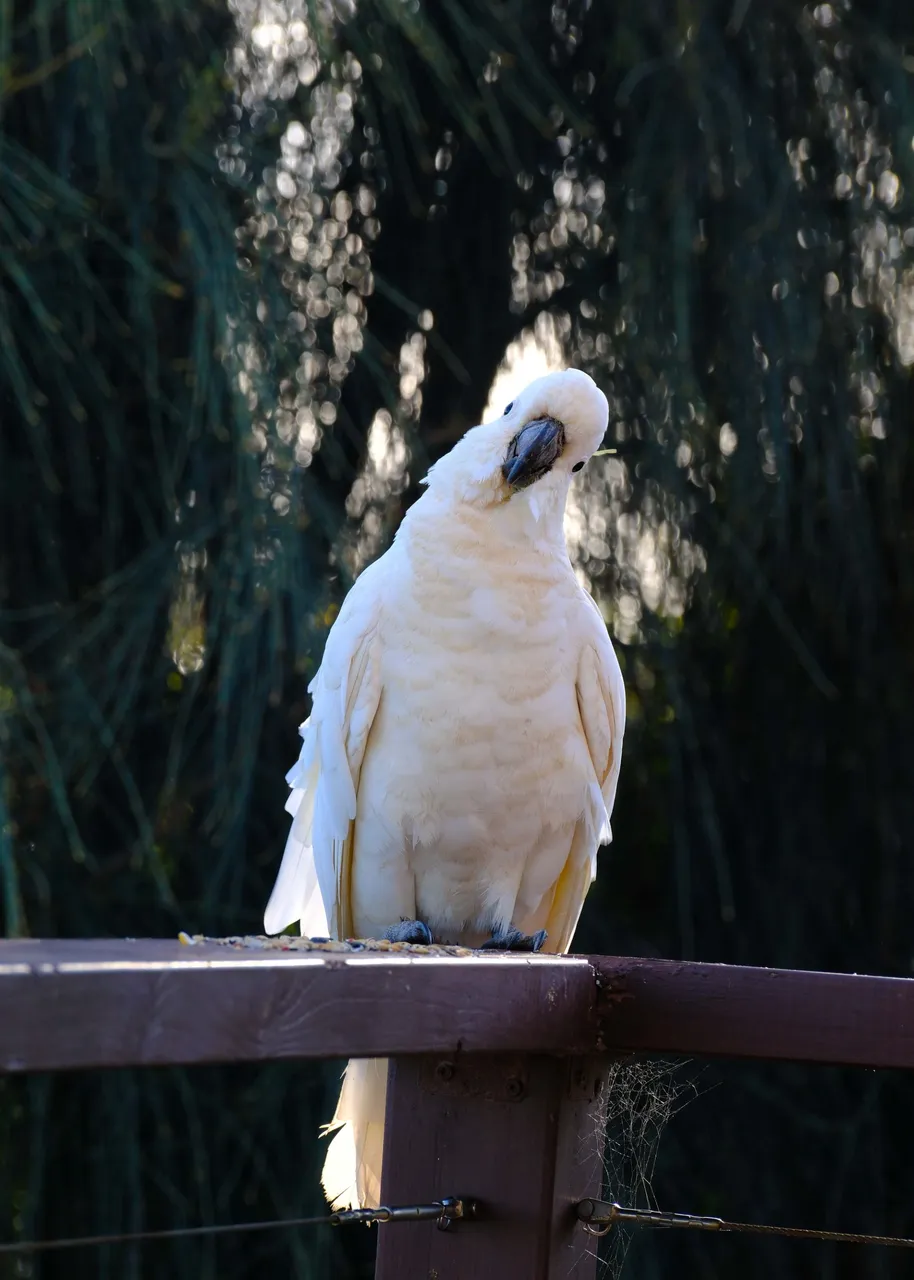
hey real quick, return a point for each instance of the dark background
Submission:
(232, 237)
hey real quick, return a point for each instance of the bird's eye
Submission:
(577, 466)
(508, 408)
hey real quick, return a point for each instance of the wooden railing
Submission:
(497, 1061)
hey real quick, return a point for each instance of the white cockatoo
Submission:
(460, 763)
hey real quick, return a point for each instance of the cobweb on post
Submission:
(638, 1100)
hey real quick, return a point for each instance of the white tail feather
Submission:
(352, 1169)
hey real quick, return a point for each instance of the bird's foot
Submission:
(513, 940)
(414, 931)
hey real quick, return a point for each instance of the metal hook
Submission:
(444, 1213)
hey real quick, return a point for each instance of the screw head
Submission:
(445, 1071)
(514, 1088)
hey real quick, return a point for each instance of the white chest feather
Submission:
(478, 767)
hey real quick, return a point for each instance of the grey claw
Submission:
(513, 940)
(413, 931)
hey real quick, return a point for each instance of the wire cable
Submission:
(599, 1217)
(446, 1211)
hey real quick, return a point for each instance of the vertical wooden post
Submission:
(521, 1136)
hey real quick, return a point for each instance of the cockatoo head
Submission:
(545, 435)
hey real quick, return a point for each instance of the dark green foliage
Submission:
(212, 280)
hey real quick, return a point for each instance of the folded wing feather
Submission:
(313, 880)
(601, 706)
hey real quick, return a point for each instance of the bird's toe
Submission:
(513, 940)
(413, 931)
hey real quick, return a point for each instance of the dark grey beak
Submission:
(533, 451)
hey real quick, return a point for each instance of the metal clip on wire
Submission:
(444, 1212)
(599, 1217)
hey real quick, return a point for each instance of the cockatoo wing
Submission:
(601, 703)
(600, 693)
(313, 885)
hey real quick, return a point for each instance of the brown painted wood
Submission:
(778, 1014)
(151, 1002)
(521, 1137)
(579, 1168)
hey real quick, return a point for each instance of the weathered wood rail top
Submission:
(153, 1002)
